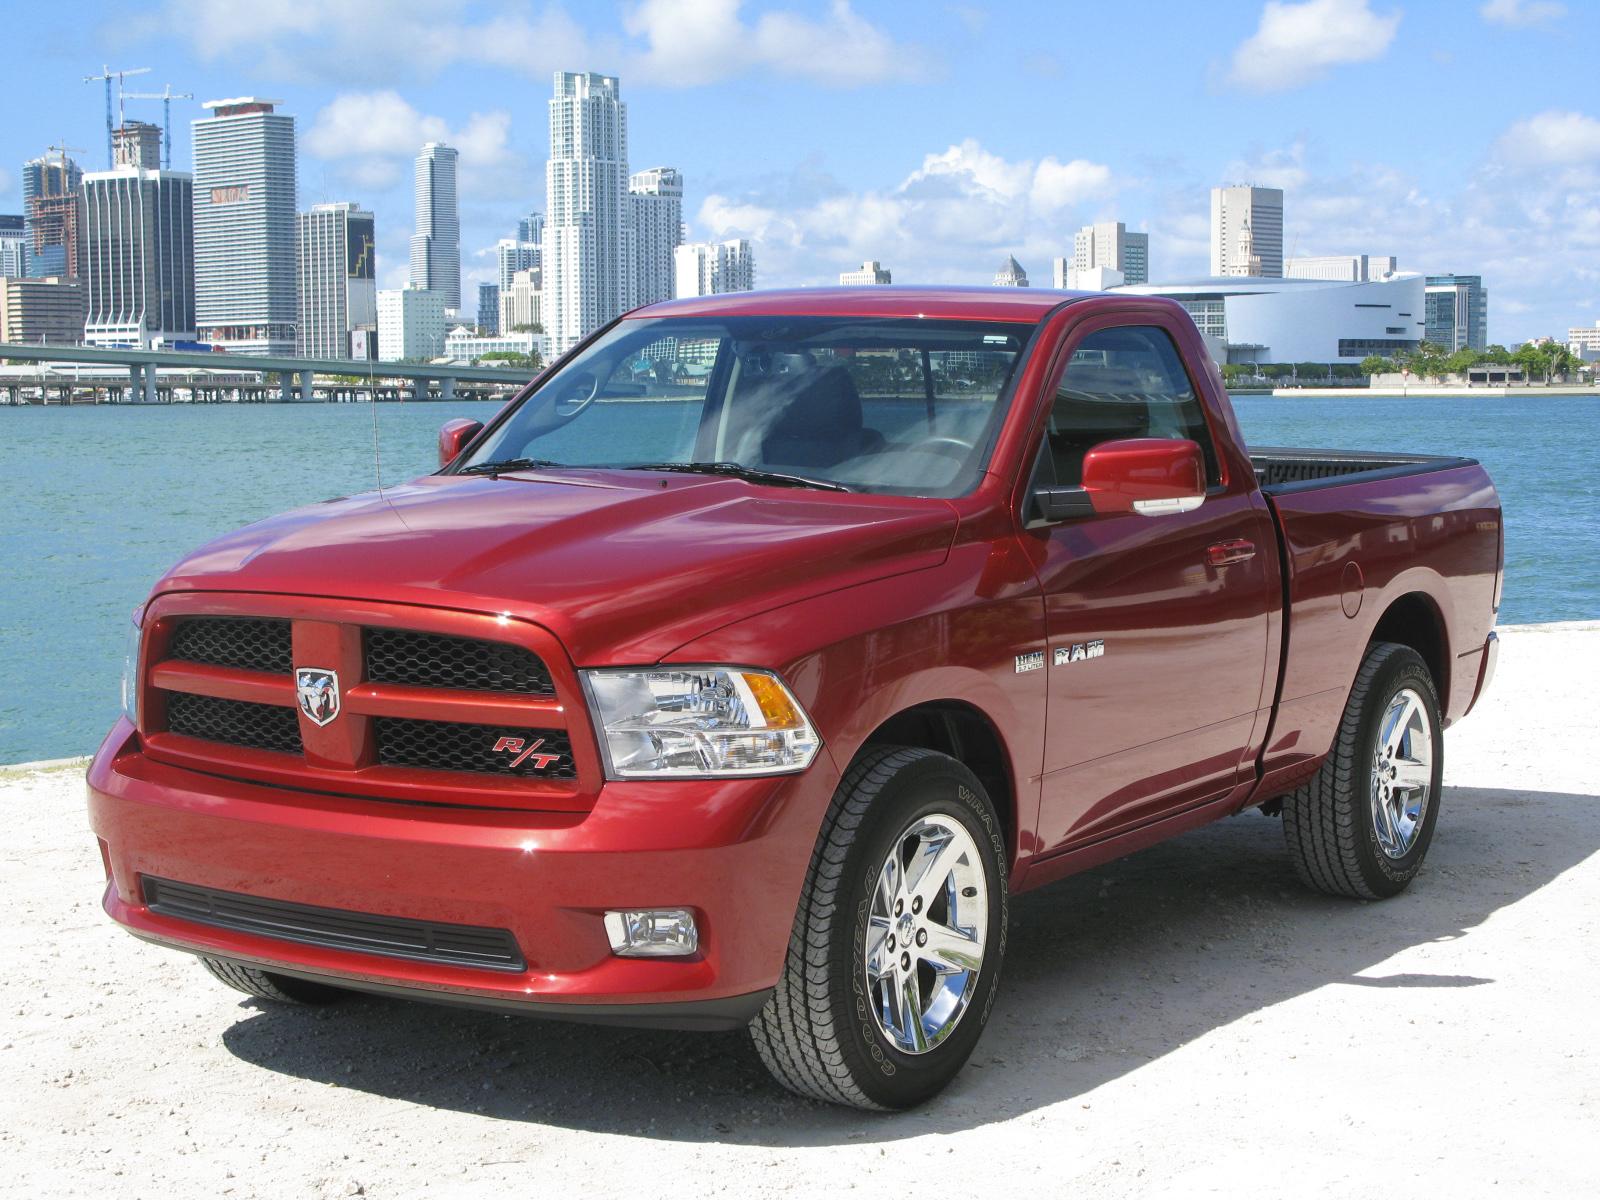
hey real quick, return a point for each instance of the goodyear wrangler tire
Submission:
(1362, 825)
(895, 956)
(268, 985)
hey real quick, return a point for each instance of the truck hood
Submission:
(624, 567)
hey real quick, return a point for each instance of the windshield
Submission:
(904, 406)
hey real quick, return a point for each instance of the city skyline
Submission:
(973, 152)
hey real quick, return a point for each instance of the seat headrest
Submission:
(825, 404)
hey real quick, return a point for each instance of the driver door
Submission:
(1157, 648)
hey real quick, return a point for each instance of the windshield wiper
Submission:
(739, 471)
(496, 469)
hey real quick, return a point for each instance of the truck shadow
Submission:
(1105, 972)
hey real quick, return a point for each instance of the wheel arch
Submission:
(1414, 620)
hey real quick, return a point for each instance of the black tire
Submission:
(817, 1034)
(1328, 824)
(269, 985)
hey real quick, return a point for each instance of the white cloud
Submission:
(1522, 14)
(1297, 43)
(1552, 139)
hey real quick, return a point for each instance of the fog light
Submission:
(652, 933)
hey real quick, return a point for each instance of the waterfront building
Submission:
(1084, 279)
(1347, 268)
(1247, 231)
(411, 324)
(463, 345)
(1583, 341)
(136, 144)
(41, 311)
(138, 257)
(1109, 244)
(588, 239)
(1010, 274)
(436, 245)
(489, 308)
(1257, 320)
(511, 256)
(245, 229)
(13, 245)
(711, 268)
(522, 303)
(872, 274)
(530, 229)
(655, 197)
(337, 278)
(1458, 312)
(52, 211)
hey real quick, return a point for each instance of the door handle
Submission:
(1236, 551)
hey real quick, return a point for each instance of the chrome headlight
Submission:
(696, 722)
(130, 667)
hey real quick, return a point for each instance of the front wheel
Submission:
(1362, 825)
(269, 985)
(895, 955)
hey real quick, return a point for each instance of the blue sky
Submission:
(1461, 136)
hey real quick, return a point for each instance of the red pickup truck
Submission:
(741, 668)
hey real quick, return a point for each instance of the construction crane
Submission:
(166, 97)
(107, 74)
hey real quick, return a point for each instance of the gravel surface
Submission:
(1183, 1022)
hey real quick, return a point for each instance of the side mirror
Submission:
(454, 436)
(1149, 476)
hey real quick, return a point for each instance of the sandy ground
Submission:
(1184, 1022)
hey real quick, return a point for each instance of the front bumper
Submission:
(734, 851)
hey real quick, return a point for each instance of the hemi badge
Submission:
(1079, 651)
(1032, 661)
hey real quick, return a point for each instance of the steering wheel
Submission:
(578, 394)
(949, 447)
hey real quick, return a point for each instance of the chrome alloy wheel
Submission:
(926, 928)
(1402, 773)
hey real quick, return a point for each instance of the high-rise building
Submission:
(711, 268)
(411, 324)
(1457, 312)
(1109, 244)
(13, 245)
(245, 232)
(136, 144)
(656, 197)
(41, 311)
(587, 259)
(530, 228)
(138, 257)
(489, 307)
(872, 274)
(521, 304)
(1010, 274)
(436, 245)
(337, 278)
(513, 256)
(1346, 268)
(52, 209)
(1247, 231)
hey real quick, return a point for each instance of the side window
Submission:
(1127, 382)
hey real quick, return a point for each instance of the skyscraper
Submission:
(1109, 244)
(530, 229)
(513, 256)
(411, 324)
(521, 303)
(136, 144)
(138, 256)
(13, 245)
(587, 268)
(337, 279)
(1247, 231)
(1457, 312)
(245, 227)
(52, 210)
(656, 198)
(489, 307)
(710, 268)
(436, 245)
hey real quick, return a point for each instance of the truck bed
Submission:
(1282, 470)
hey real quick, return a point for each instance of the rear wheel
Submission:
(1362, 825)
(895, 955)
(269, 985)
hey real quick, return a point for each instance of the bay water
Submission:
(100, 500)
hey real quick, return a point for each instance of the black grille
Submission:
(245, 643)
(397, 937)
(451, 746)
(437, 660)
(236, 722)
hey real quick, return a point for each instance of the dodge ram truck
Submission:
(740, 669)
